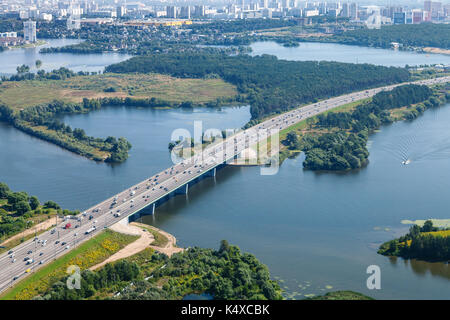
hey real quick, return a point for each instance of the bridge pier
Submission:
(183, 189)
(211, 173)
(153, 208)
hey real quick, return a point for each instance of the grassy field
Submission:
(30, 93)
(440, 233)
(86, 255)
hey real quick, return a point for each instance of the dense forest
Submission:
(424, 243)
(335, 151)
(409, 35)
(226, 273)
(346, 147)
(268, 84)
(17, 210)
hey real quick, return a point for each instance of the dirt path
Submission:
(144, 241)
(170, 248)
(39, 227)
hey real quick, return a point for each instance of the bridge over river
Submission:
(145, 196)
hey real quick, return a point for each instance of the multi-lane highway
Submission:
(58, 241)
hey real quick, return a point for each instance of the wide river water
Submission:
(316, 232)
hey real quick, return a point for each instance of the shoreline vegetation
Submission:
(425, 37)
(226, 273)
(427, 243)
(268, 84)
(337, 140)
(20, 212)
(240, 79)
(106, 90)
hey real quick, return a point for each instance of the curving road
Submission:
(59, 240)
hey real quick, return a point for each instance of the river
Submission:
(11, 59)
(316, 232)
(345, 53)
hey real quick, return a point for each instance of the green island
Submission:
(62, 92)
(20, 212)
(428, 243)
(336, 140)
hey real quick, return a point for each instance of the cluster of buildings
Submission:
(431, 11)
(176, 12)
(10, 39)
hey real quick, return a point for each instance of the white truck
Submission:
(90, 230)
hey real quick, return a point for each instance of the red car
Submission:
(67, 226)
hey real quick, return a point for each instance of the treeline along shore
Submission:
(337, 141)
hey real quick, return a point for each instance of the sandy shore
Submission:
(436, 50)
(144, 241)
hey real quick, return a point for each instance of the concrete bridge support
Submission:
(183, 189)
(152, 208)
(211, 173)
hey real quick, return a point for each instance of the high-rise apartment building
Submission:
(171, 12)
(29, 31)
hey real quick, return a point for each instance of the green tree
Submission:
(4, 190)
(34, 202)
(22, 207)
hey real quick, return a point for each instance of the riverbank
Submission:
(79, 94)
(313, 136)
(427, 243)
(436, 50)
(37, 44)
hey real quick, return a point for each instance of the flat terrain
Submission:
(33, 92)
